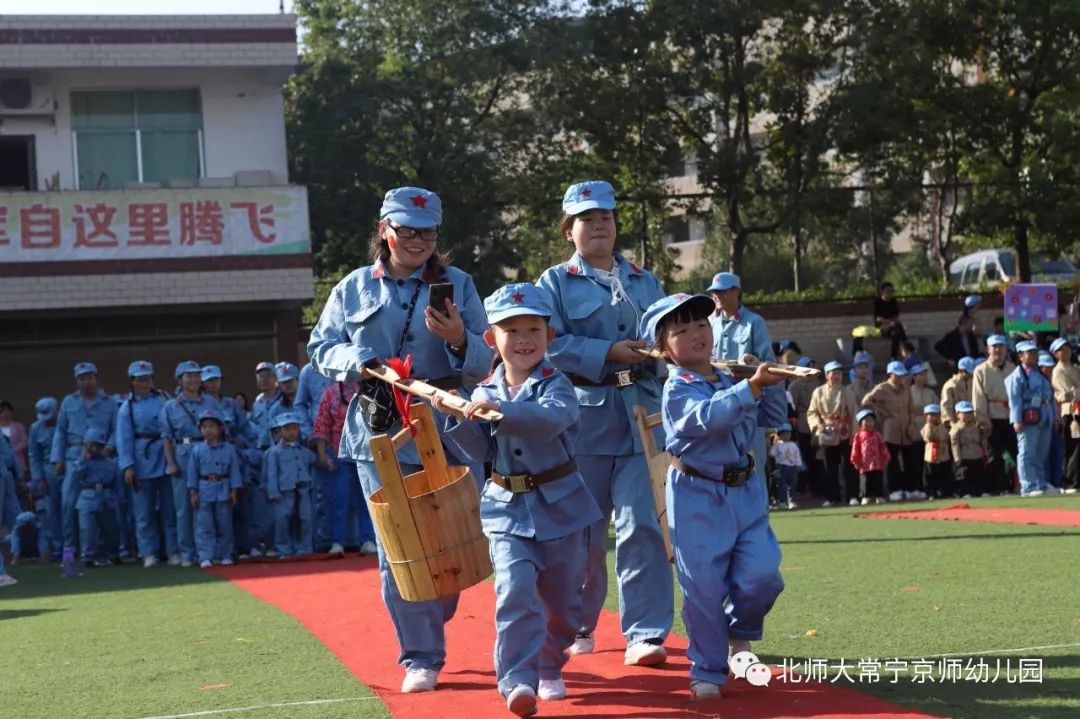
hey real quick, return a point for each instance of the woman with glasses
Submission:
(381, 311)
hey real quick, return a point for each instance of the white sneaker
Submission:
(1051, 489)
(896, 496)
(985, 494)
(552, 690)
(368, 549)
(271, 554)
(644, 654)
(704, 690)
(1035, 493)
(242, 557)
(522, 701)
(6, 580)
(174, 560)
(583, 644)
(337, 549)
(1070, 490)
(227, 561)
(150, 561)
(879, 500)
(853, 502)
(792, 505)
(187, 563)
(419, 680)
(205, 564)
(864, 501)
(966, 496)
(826, 503)
(255, 553)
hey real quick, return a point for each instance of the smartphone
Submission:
(438, 293)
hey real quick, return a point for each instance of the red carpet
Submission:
(963, 512)
(339, 603)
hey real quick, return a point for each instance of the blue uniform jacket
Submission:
(99, 483)
(41, 440)
(287, 467)
(309, 391)
(586, 325)
(218, 459)
(179, 420)
(536, 434)
(281, 405)
(1022, 389)
(75, 417)
(257, 428)
(747, 333)
(138, 436)
(709, 423)
(362, 321)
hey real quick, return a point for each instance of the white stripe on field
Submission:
(998, 651)
(211, 712)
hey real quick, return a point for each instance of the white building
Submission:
(145, 204)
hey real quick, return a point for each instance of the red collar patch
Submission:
(687, 377)
(547, 372)
(378, 271)
(635, 268)
(573, 269)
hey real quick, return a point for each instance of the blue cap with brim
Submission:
(211, 413)
(971, 300)
(140, 368)
(863, 414)
(1058, 344)
(412, 207)
(660, 309)
(286, 371)
(804, 362)
(785, 427)
(591, 195)
(1027, 346)
(96, 436)
(964, 407)
(520, 298)
(264, 367)
(994, 340)
(966, 364)
(896, 368)
(82, 368)
(723, 281)
(932, 409)
(917, 369)
(830, 366)
(862, 357)
(45, 408)
(187, 367)
(211, 371)
(286, 418)
(1046, 359)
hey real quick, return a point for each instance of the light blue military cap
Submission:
(140, 368)
(862, 357)
(286, 371)
(971, 300)
(187, 367)
(896, 368)
(591, 195)
(82, 368)
(1058, 344)
(994, 340)
(1046, 359)
(785, 427)
(804, 362)
(917, 369)
(412, 207)
(863, 414)
(932, 409)
(211, 371)
(520, 298)
(45, 408)
(660, 309)
(964, 406)
(211, 413)
(264, 367)
(1027, 346)
(286, 418)
(966, 364)
(96, 435)
(722, 281)
(830, 366)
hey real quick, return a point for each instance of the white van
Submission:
(989, 267)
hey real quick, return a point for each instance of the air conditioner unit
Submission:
(25, 97)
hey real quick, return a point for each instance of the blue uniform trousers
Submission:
(98, 530)
(646, 588)
(213, 530)
(69, 495)
(418, 625)
(260, 518)
(1033, 445)
(54, 512)
(724, 547)
(345, 505)
(185, 528)
(537, 605)
(292, 521)
(153, 499)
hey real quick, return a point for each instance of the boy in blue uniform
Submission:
(46, 482)
(290, 469)
(535, 509)
(87, 407)
(98, 480)
(1033, 412)
(212, 476)
(598, 298)
(717, 505)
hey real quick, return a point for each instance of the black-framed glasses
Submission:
(428, 234)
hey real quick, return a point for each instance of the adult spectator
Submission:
(992, 410)
(892, 403)
(15, 432)
(1066, 382)
(887, 320)
(959, 342)
(801, 389)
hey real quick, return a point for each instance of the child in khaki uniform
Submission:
(937, 467)
(969, 451)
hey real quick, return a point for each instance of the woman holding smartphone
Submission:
(382, 310)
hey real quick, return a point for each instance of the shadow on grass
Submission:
(22, 613)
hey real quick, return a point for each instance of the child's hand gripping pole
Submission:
(419, 388)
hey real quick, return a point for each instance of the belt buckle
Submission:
(213, 477)
(518, 483)
(623, 378)
(97, 487)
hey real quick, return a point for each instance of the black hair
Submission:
(906, 344)
(4, 404)
(685, 313)
(435, 267)
(885, 286)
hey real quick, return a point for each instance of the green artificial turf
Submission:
(124, 642)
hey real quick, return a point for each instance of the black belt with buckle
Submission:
(190, 440)
(619, 378)
(733, 476)
(210, 478)
(521, 483)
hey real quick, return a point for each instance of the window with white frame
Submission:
(136, 136)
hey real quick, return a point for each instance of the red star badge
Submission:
(419, 201)
(547, 372)
(517, 297)
(586, 192)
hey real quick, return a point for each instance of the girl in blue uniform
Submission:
(535, 509)
(598, 300)
(381, 311)
(98, 480)
(717, 505)
(290, 468)
(212, 476)
(142, 461)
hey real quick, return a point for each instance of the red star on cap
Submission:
(586, 192)
(547, 371)
(517, 297)
(419, 201)
(142, 365)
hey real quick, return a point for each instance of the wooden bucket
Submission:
(658, 461)
(428, 522)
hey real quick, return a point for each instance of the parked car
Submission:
(988, 267)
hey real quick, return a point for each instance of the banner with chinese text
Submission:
(1031, 308)
(145, 224)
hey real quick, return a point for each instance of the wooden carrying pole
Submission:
(420, 388)
(658, 461)
(742, 370)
